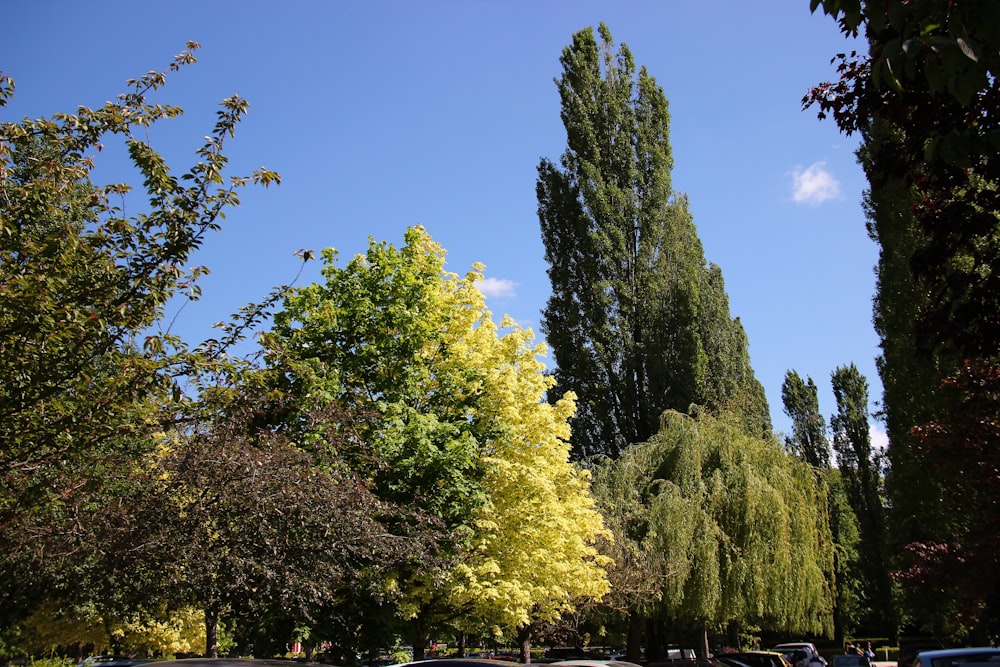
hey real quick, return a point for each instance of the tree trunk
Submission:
(654, 644)
(733, 635)
(703, 651)
(419, 638)
(211, 633)
(524, 640)
(633, 645)
(463, 649)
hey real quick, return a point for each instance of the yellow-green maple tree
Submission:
(465, 430)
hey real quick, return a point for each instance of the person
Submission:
(869, 652)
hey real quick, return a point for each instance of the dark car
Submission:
(110, 661)
(231, 662)
(850, 660)
(753, 659)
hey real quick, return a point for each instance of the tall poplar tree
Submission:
(809, 443)
(801, 404)
(922, 504)
(637, 321)
(860, 470)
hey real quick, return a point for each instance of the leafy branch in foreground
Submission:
(87, 358)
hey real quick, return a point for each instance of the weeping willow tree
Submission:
(732, 530)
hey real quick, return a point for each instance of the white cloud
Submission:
(814, 184)
(497, 287)
(880, 439)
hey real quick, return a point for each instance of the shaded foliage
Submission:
(86, 357)
(959, 563)
(925, 100)
(249, 524)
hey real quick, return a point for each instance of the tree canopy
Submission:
(808, 439)
(88, 362)
(462, 426)
(735, 530)
(637, 320)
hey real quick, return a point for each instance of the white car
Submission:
(790, 648)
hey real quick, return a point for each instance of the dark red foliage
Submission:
(966, 450)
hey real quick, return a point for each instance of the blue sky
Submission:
(384, 114)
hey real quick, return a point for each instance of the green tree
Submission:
(931, 73)
(848, 582)
(637, 322)
(85, 354)
(911, 376)
(639, 572)
(924, 99)
(739, 530)
(808, 440)
(461, 430)
(861, 474)
(809, 443)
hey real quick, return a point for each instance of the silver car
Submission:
(967, 657)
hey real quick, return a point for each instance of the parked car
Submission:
(686, 662)
(110, 661)
(754, 659)
(966, 657)
(725, 661)
(909, 649)
(229, 662)
(791, 647)
(851, 660)
(594, 663)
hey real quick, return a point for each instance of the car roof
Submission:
(229, 662)
(971, 650)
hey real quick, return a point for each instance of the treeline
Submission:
(393, 465)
